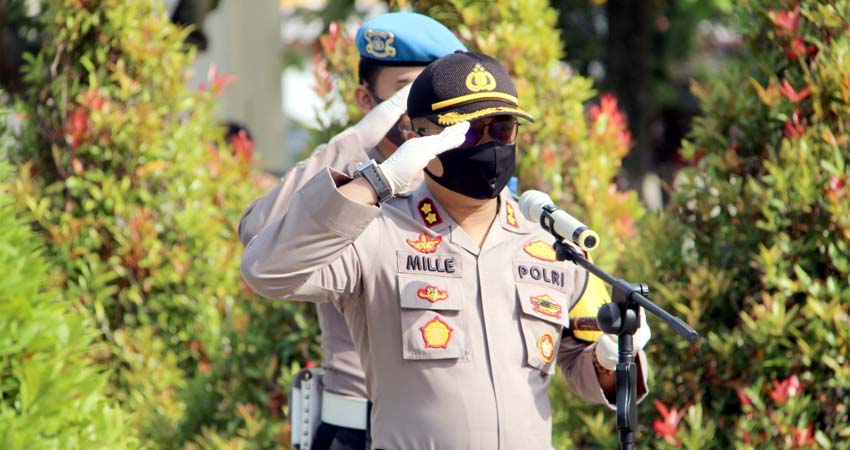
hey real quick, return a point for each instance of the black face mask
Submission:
(479, 172)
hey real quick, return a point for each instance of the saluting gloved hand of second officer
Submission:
(377, 122)
(406, 163)
(607, 351)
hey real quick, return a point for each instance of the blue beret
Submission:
(405, 38)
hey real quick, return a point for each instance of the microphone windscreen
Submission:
(531, 203)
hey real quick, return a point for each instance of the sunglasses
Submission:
(502, 129)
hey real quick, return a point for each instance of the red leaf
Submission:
(791, 94)
(787, 21)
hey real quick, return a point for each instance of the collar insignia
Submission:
(546, 347)
(540, 250)
(480, 79)
(436, 333)
(432, 294)
(546, 306)
(425, 243)
(379, 44)
(510, 215)
(429, 212)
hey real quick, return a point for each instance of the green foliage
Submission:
(124, 173)
(572, 150)
(52, 393)
(755, 252)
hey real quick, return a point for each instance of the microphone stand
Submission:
(621, 318)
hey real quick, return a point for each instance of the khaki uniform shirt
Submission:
(458, 343)
(343, 373)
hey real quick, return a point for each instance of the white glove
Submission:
(606, 347)
(377, 122)
(406, 163)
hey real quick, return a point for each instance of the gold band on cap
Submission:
(470, 97)
(453, 117)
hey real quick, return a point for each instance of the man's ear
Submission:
(363, 98)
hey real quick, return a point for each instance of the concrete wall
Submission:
(244, 40)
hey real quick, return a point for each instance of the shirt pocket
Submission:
(432, 324)
(543, 314)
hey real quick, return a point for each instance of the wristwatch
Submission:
(370, 171)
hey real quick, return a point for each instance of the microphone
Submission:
(538, 207)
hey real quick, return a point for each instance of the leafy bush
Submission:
(755, 252)
(124, 173)
(53, 395)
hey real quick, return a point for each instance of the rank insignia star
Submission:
(546, 306)
(432, 294)
(425, 243)
(436, 333)
(546, 347)
(428, 212)
(540, 250)
(510, 215)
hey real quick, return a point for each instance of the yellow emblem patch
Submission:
(425, 243)
(379, 44)
(540, 250)
(428, 212)
(480, 79)
(546, 347)
(436, 333)
(546, 306)
(510, 215)
(432, 294)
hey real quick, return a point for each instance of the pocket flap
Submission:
(430, 292)
(543, 303)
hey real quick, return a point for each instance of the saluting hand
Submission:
(406, 163)
(377, 122)
(607, 352)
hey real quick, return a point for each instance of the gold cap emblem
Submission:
(379, 43)
(480, 79)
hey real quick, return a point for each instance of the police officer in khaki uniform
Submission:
(456, 303)
(394, 48)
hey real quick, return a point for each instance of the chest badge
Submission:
(546, 347)
(546, 306)
(379, 44)
(428, 212)
(436, 333)
(425, 243)
(540, 250)
(510, 215)
(432, 294)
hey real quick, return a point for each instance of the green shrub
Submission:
(124, 173)
(52, 393)
(755, 252)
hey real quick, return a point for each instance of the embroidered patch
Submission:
(432, 293)
(379, 44)
(510, 215)
(480, 79)
(436, 333)
(425, 243)
(540, 250)
(546, 306)
(429, 212)
(546, 347)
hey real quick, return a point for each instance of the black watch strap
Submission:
(370, 171)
